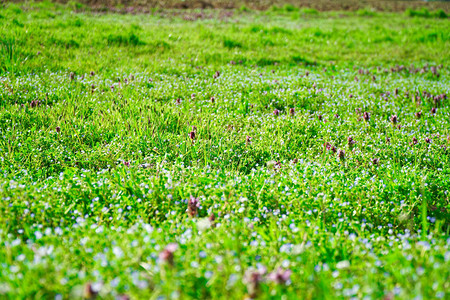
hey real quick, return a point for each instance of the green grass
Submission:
(99, 173)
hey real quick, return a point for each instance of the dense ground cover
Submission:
(223, 154)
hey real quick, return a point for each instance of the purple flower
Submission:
(212, 99)
(280, 276)
(248, 140)
(414, 141)
(418, 114)
(292, 111)
(433, 110)
(276, 112)
(428, 140)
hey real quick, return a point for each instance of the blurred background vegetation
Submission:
(130, 6)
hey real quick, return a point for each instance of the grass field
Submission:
(226, 154)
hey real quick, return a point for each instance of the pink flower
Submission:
(276, 112)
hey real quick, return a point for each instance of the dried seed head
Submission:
(193, 206)
(388, 140)
(58, 129)
(90, 292)
(252, 279)
(292, 111)
(428, 140)
(375, 161)
(333, 149)
(92, 73)
(280, 276)
(418, 114)
(216, 75)
(351, 141)
(193, 96)
(341, 154)
(366, 116)
(72, 75)
(166, 255)
(433, 110)
(394, 119)
(319, 117)
(212, 99)
(414, 141)
(212, 217)
(178, 101)
(192, 135)
(248, 140)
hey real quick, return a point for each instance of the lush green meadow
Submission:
(181, 154)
